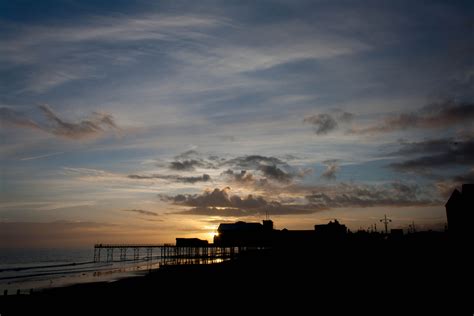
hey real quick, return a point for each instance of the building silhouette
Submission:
(460, 210)
(245, 234)
(264, 234)
(333, 230)
(191, 242)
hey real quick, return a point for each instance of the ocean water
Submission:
(26, 269)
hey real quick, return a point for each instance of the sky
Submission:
(143, 121)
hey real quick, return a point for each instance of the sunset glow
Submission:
(154, 120)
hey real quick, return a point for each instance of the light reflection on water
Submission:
(26, 269)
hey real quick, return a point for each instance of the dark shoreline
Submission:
(435, 277)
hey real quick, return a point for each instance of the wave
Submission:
(77, 268)
(46, 266)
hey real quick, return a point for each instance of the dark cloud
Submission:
(275, 173)
(345, 117)
(439, 115)
(191, 179)
(203, 178)
(220, 203)
(92, 126)
(273, 209)
(362, 195)
(332, 166)
(189, 160)
(264, 170)
(254, 161)
(216, 197)
(142, 212)
(322, 123)
(270, 167)
(185, 165)
(243, 176)
(431, 154)
(427, 146)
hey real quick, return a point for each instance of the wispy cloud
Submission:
(363, 195)
(332, 166)
(448, 184)
(246, 86)
(113, 29)
(92, 126)
(42, 156)
(88, 127)
(266, 47)
(465, 178)
(435, 116)
(69, 61)
(190, 179)
(142, 212)
(46, 205)
(10, 116)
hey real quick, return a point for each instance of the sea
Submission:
(27, 270)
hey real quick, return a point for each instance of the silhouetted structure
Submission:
(245, 234)
(396, 233)
(333, 230)
(191, 242)
(385, 220)
(460, 211)
(256, 234)
(267, 225)
(186, 251)
(261, 261)
(295, 238)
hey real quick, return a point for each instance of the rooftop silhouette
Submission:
(460, 212)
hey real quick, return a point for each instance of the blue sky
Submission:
(152, 120)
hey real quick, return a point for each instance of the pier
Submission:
(166, 253)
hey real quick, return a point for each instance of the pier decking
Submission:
(167, 253)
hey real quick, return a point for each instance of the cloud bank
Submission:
(434, 154)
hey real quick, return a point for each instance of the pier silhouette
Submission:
(269, 269)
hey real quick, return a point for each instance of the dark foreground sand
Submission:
(343, 278)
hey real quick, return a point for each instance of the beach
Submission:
(408, 277)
